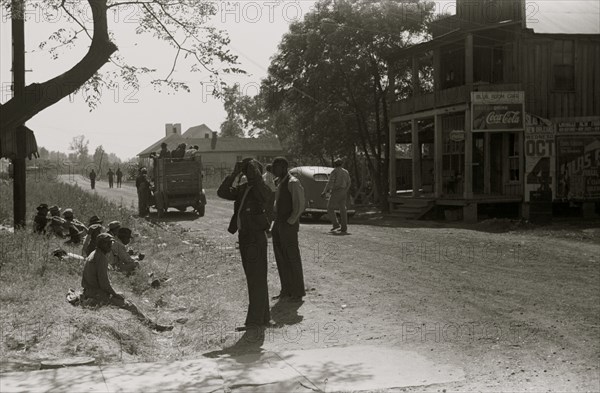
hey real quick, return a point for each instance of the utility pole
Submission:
(18, 72)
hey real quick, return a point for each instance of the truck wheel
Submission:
(181, 208)
(201, 209)
(316, 216)
(160, 208)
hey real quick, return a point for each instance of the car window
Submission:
(320, 177)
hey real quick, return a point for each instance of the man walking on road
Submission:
(119, 177)
(111, 178)
(338, 185)
(142, 183)
(289, 204)
(250, 221)
(93, 179)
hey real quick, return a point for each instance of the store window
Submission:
(563, 68)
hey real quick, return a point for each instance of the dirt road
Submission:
(517, 307)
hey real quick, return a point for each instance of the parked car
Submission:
(313, 180)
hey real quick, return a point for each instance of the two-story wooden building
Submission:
(513, 114)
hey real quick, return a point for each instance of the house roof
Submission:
(197, 131)
(223, 145)
(565, 17)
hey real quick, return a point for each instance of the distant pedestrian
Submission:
(143, 185)
(289, 205)
(250, 221)
(98, 290)
(338, 187)
(119, 177)
(111, 178)
(93, 179)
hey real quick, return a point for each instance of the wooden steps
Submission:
(411, 208)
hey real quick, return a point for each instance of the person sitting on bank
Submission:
(54, 211)
(119, 258)
(41, 219)
(98, 290)
(113, 228)
(95, 228)
(76, 228)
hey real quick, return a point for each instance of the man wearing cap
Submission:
(339, 185)
(113, 228)
(289, 205)
(250, 221)
(90, 241)
(143, 185)
(97, 289)
(75, 227)
(119, 258)
(119, 177)
(54, 211)
(41, 219)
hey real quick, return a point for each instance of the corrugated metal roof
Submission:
(564, 17)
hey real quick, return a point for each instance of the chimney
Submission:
(171, 129)
(213, 141)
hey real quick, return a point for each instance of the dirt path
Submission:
(517, 308)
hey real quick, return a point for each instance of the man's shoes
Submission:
(335, 228)
(295, 299)
(344, 230)
(280, 296)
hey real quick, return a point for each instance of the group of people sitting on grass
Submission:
(50, 221)
(103, 249)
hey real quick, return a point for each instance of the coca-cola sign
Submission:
(497, 117)
(497, 111)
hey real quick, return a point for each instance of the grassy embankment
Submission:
(38, 323)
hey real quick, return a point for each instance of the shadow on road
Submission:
(173, 216)
(250, 342)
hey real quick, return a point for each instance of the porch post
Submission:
(416, 158)
(469, 59)
(438, 149)
(468, 184)
(487, 188)
(437, 69)
(392, 163)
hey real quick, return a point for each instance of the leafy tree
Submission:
(99, 158)
(181, 23)
(80, 148)
(336, 74)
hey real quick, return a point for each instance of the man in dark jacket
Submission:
(41, 219)
(143, 185)
(119, 177)
(111, 178)
(93, 179)
(97, 289)
(289, 205)
(250, 221)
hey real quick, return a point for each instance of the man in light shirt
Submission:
(289, 204)
(338, 185)
(269, 179)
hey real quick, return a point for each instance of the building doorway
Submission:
(496, 163)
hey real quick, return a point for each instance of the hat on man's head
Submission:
(338, 161)
(143, 170)
(280, 161)
(54, 209)
(95, 220)
(124, 232)
(42, 206)
(164, 144)
(68, 212)
(114, 225)
(104, 238)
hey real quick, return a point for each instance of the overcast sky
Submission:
(128, 121)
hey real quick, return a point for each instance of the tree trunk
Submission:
(39, 96)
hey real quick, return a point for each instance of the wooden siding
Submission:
(538, 79)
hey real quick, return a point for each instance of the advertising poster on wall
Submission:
(540, 163)
(494, 111)
(578, 166)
